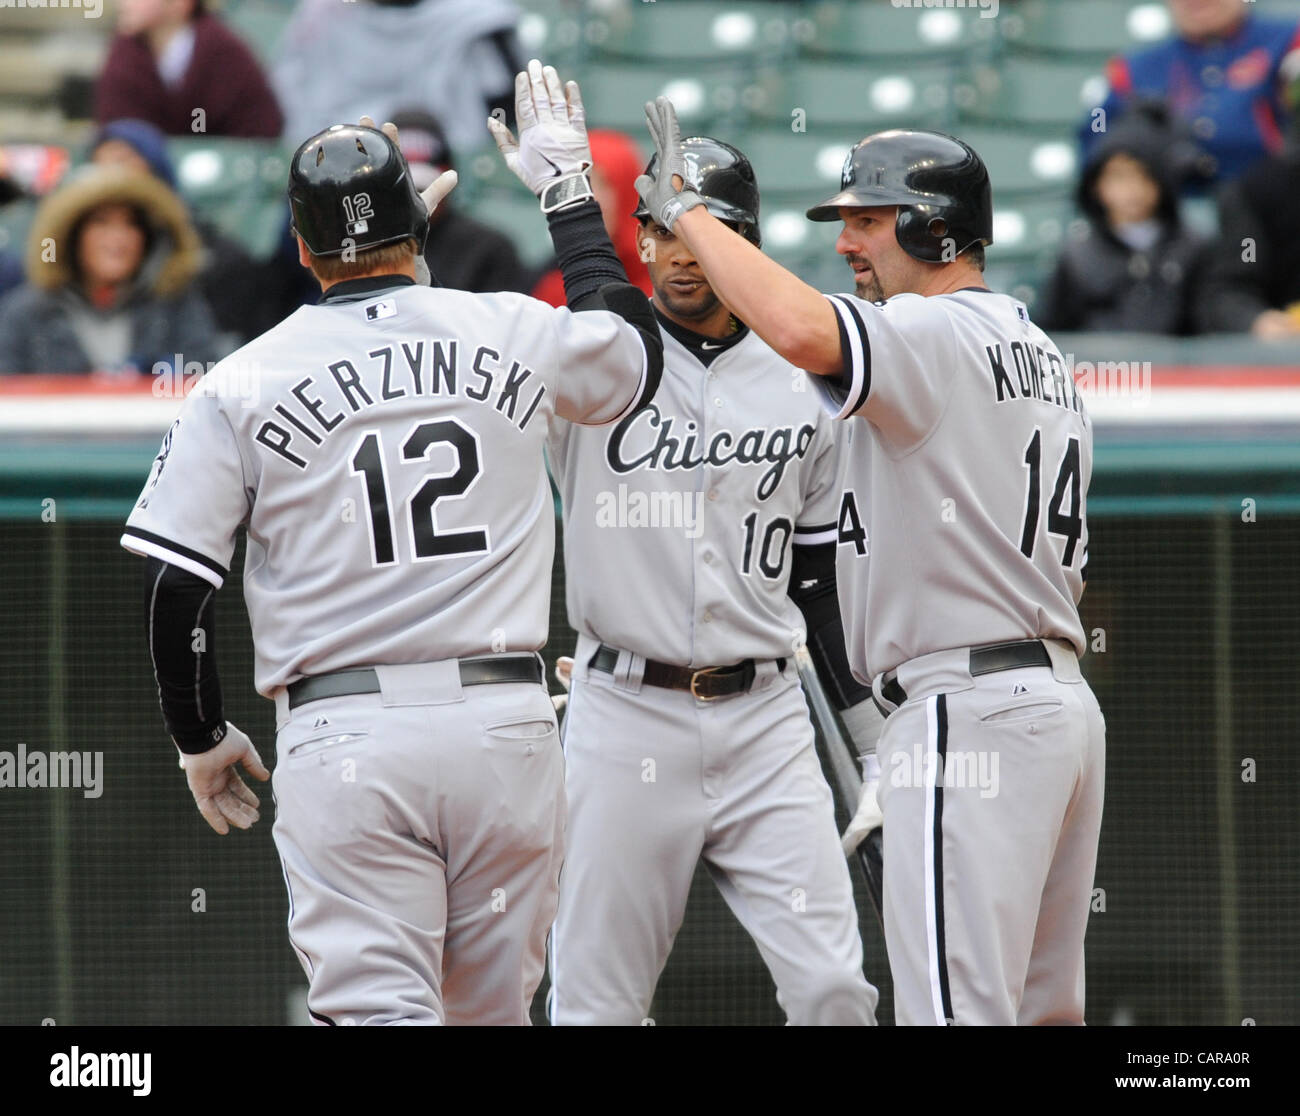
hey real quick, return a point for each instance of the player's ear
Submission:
(304, 257)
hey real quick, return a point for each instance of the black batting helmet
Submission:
(723, 178)
(349, 187)
(941, 188)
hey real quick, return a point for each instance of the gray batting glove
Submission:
(665, 200)
(552, 155)
(221, 795)
(432, 195)
(868, 816)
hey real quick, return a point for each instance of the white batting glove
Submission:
(868, 816)
(552, 155)
(221, 795)
(563, 675)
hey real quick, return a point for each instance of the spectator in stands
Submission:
(246, 296)
(617, 162)
(457, 58)
(1254, 283)
(110, 263)
(1132, 267)
(462, 253)
(171, 59)
(1219, 73)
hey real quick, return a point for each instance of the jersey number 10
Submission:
(426, 540)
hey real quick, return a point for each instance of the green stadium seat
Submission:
(1052, 95)
(1098, 28)
(553, 32)
(1030, 229)
(615, 95)
(516, 214)
(15, 223)
(260, 23)
(1023, 165)
(691, 30)
(237, 184)
(850, 95)
(856, 29)
(795, 168)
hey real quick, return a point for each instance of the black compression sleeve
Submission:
(180, 626)
(587, 258)
(813, 589)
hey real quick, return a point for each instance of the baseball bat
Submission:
(844, 766)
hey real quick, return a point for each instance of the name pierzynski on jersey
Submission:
(317, 405)
(1038, 374)
(645, 440)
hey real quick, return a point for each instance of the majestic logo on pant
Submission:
(645, 440)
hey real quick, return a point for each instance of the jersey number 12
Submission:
(426, 540)
(1068, 525)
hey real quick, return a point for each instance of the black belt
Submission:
(473, 672)
(985, 660)
(705, 683)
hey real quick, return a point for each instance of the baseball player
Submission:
(389, 468)
(686, 527)
(963, 550)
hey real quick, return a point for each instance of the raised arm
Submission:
(793, 318)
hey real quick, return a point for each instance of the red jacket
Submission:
(224, 79)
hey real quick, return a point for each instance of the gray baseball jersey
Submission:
(701, 495)
(998, 540)
(351, 439)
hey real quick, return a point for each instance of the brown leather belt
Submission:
(984, 660)
(705, 683)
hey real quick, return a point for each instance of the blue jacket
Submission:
(1226, 89)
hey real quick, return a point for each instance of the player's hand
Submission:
(221, 795)
(552, 144)
(663, 191)
(868, 816)
(433, 194)
(563, 675)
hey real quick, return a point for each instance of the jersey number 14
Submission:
(426, 540)
(1067, 525)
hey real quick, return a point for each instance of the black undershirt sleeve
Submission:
(595, 279)
(813, 589)
(180, 625)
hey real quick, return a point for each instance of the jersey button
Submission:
(713, 493)
(707, 617)
(717, 401)
(708, 557)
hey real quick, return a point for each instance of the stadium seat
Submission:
(260, 23)
(691, 30)
(237, 184)
(516, 214)
(552, 31)
(856, 29)
(615, 95)
(795, 168)
(1030, 229)
(852, 96)
(1099, 28)
(1044, 95)
(1021, 164)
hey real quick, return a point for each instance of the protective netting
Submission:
(125, 908)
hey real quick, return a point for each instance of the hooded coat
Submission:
(1100, 283)
(42, 323)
